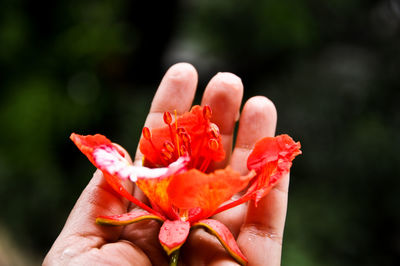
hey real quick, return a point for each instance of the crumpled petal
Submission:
(271, 158)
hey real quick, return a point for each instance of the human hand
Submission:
(258, 229)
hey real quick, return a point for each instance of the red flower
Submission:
(175, 176)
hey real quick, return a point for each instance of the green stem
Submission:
(174, 258)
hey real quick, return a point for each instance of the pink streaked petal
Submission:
(88, 144)
(173, 234)
(108, 159)
(224, 236)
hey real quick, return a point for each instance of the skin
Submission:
(258, 230)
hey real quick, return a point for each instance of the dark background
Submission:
(331, 67)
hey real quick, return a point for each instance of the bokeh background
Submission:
(92, 66)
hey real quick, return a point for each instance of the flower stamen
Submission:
(212, 145)
(177, 137)
(184, 214)
(168, 151)
(207, 112)
(169, 146)
(147, 135)
(204, 165)
(214, 130)
(167, 155)
(186, 142)
(167, 118)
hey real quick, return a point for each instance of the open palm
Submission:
(258, 229)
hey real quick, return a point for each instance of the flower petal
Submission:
(155, 190)
(108, 160)
(88, 145)
(195, 189)
(271, 149)
(173, 234)
(271, 158)
(127, 218)
(224, 236)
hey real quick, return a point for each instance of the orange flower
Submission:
(176, 179)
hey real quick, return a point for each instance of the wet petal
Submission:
(224, 236)
(173, 234)
(127, 218)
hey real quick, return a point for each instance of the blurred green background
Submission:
(331, 67)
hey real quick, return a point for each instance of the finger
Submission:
(145, 235)
(258, 119)
(98, 198)
(117, 253)
(202, 248)
(260, 237)
(224, 95)
(176, 92)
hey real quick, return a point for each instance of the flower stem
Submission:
(174, 258)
